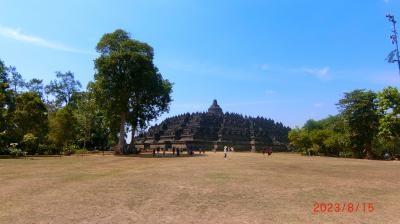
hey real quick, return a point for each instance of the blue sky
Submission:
(287, 60)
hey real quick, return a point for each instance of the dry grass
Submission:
(247, 188)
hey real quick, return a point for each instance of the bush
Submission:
(314, 150)
(14, 151)
(4, 151)
(17, 152)
(30, 143)
(48, 149)
(346, 154)
(71, 149)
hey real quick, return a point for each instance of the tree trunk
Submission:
(132, 144)
(121, 140)
(369, 151)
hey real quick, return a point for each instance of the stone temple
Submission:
(213, 130)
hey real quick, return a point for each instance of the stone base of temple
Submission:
(213, 130)
(209, 146)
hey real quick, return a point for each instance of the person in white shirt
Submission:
(225, 152)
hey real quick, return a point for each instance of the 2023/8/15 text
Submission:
(343, 207)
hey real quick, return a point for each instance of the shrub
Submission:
(70, 149)
(48, 149)
(30, 143)
(346, 154)
(314, 150)
(4, 151)
(14, 151)
(17, 152)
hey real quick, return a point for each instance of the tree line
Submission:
(128, 91)
(368, 126)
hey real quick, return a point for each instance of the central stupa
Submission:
(215, 109)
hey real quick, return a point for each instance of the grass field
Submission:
(247, 188)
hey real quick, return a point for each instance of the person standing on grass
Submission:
(225, 152)
(158, 151)
(154, 152)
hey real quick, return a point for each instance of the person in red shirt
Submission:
(269, 151)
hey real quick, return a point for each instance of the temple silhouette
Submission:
(214, 129)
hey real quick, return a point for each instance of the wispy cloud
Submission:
(16, 34)
(320, 73)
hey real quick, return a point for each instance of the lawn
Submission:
(246, 188)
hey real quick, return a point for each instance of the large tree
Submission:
(124, 71)
(300, 139)
(389, 107)
(36, 86)
(7, 105)
(151, 100)
(359, 110)
(4, 95)
(63, 88)
(92, 126)
(16, 81)
(62, 125)
(30, 116)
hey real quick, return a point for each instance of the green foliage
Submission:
(36, 86)
(127, 83)
(30, 116)
(383, 145)
(300, 139)
(359, 110)
(63, 88)
(347, 154)
(7, 105)
(14, 151)
(311, 125)
(81, 151)
(336, 142)
(62, 127)
(327, 137)
(93, 127)
(16, 81)
(149, 102)
(314, 150)
(368, 126)
(389, 124)
(30, 144)
(71, 149)
(48, 149)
